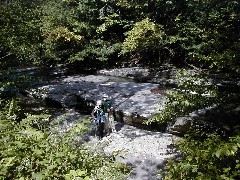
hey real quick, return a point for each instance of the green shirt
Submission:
(106, 105)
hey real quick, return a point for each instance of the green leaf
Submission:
(38, 151)
(73, 173)
(38, 176)
(51, 167)
(80, 172)
(9, 161)
(218, 153)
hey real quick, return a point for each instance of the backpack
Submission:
(106, 105)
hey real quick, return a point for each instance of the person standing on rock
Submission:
(101, 118)
(108, 111)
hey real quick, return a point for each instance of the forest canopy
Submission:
(201, 33)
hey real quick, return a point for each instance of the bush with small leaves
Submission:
(27, 152)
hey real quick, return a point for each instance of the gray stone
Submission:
(181, 125)
(133, 102)
(69, 101)
(53, 100)
(126, 72)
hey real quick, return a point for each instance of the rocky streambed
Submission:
(133, 102)
(144, 150)
(136, 93)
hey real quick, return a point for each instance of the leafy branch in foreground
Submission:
(212, 158)
(31, 153)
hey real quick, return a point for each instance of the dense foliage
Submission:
(211, 158)
(96, 33)
(32, 149)
(201, 33)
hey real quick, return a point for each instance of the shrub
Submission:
(211, 158)
(31, 151)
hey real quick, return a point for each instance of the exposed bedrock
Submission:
(133, 102)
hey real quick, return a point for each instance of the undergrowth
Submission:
(210, 158)
(30, 150)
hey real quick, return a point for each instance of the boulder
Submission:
(134, 102)
(181, 125)
(210, 119)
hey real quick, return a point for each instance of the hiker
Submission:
(99, 114)
(108, 111)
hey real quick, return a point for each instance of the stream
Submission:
(71, 96)
(144, 150)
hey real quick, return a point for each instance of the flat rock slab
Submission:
(135, 101)
(126, 72)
